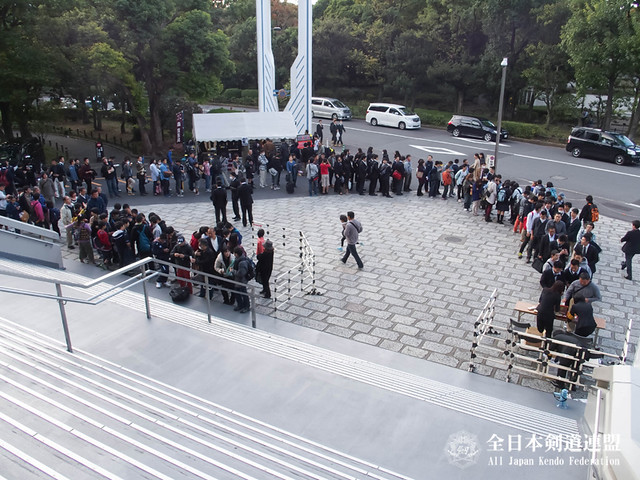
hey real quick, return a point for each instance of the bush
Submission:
(434, 118)
(231, 94)
(524, 130)
(250, 94)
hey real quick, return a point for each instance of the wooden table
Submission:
(524, 307)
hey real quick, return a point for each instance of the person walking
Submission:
(631, 247)
(351, 233)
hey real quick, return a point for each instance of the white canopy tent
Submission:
(212, 127)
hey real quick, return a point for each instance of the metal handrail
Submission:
(29, 228)
(140, 278)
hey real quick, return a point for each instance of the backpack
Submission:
(251, 269)
(595, 214)
(502, 195)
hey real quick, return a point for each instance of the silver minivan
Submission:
(329, 108)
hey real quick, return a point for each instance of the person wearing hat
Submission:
(265, 267)
(181, 255)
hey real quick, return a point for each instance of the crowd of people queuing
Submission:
(557, 238)
(120, 235)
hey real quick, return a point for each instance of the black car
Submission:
(602, 145)
(465, 126)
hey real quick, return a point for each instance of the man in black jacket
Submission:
(219, 199)
(631, 247)
(234, 185)
(373, 173)
(245, 195)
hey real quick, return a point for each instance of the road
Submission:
(614, 188)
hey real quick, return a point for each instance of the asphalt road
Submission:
(615, 188)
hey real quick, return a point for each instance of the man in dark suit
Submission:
(245, 195)
(631, 247)
(319, 129)
(219, 199)
(589, 251)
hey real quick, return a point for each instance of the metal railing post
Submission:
(208, 295)
(144, 290)
(253, 307)
(63, 314)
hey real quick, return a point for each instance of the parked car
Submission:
(392, 115)
(329, 108)
(602, 145)
(478, 127)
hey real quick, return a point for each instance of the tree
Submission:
(171, 46)
(597, 38)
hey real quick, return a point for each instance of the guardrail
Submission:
(145, 274)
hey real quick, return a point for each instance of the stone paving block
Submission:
(375, 313)
(398, 310)
(414, 352)
(406, 329)
(432, 336)
(446, 330)
(358, 317)
(443, 359)
(320, 316)
(404, 319)
(384, 333)
(436, 347)
(340, 331)
(365, 338)
(393, 346)
(302, 312)
(361, 327)
(355, 307)
(308, 322)
(450, 322)
(340, 321)
(410, 340)
(426, 325)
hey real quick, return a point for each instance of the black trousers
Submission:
(247, 214)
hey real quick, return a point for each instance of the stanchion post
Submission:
(63, 314)
(144, 290)
(207, 294)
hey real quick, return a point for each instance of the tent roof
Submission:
(208, 127)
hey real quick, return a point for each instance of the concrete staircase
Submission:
(78, 416)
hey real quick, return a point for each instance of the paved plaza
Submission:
(429, 269)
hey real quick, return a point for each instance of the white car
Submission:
(392, 115)
(329, 108)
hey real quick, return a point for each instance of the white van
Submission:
(329, 108)
(392, 115)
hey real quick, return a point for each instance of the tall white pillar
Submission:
(266, 66)
(300, 102)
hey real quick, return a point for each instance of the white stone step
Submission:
(115, 408)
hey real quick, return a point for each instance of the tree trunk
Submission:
(635, 114)
(5, 111)
(123, 123)
(155, 126)
(608, 111)
(459, 100)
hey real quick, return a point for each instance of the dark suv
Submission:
(464, 126)
(602, 145)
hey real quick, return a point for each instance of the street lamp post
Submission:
(503, 64)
